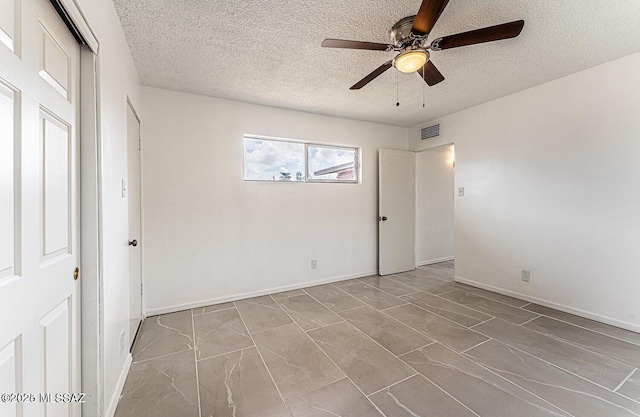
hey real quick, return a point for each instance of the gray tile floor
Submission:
(412, 344)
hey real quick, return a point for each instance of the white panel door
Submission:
(133, 195)
(396, 211)
(39, 228)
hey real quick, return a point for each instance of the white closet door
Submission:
(39, 227)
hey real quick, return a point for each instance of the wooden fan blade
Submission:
(430, 74)
(366, 80)
(340, 43)
(490, 34)
(427, 16)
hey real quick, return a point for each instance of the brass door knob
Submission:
(76, 274)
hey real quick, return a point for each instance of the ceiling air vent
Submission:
(430, 132)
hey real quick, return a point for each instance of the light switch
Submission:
(460, 191)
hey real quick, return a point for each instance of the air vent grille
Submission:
(430, 132)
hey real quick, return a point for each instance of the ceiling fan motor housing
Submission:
(401, 36)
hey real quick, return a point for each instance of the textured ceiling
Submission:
(268, 52)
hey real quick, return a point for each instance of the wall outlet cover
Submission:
(460, 191)
(314, 264)
(526, 275)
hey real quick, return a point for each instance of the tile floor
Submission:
(412, 344)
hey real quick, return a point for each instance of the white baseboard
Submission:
(435, 261)
(546, 303)
(115, 398)
(238, 297)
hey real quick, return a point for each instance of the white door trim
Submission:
(90, 230)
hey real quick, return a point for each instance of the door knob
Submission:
(133, 242)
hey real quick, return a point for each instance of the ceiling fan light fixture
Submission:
(411, 61)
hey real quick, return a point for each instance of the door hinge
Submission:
(76, 274)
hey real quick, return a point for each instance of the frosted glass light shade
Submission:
(410, 61)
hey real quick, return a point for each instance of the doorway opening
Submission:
(435, 205)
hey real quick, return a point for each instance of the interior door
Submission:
(39, 206)
(396, 211)
(133, 195)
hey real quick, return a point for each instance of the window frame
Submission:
(306, 178)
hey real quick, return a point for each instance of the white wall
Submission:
(551, 177)
(434, 205)
(118, 79)
(209, 236)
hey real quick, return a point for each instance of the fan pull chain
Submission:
(397, 91)
(424, 88)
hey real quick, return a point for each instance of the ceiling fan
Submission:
(409, 38)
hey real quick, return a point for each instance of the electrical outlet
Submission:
(314, 264)
(460, 191)
(121, 341)
(526, 275)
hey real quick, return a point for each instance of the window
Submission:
(288, 161)
(327, 163)
(273, 160)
